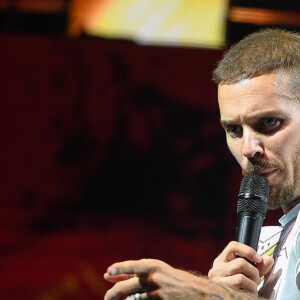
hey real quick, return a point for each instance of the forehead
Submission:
(250, 97)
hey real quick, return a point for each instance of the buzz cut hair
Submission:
(263, 52)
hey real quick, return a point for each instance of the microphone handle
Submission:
(249, 227)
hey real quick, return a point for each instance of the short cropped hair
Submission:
(262, 52)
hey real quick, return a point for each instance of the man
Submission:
(259, 100)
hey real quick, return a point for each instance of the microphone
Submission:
(252, 207)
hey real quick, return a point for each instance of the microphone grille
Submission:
(255, 185)
(254, 206)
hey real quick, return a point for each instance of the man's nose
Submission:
(252, 145)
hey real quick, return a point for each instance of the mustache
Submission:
(255, 164)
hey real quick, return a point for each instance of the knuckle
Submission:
(232, 244)
(149, 261)
(241, 263)
(216, 262)
(156, 262)
(211, 273)
(256, 273)
(239, 279)
(154, 277)
(158, 265)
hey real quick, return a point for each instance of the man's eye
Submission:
(234, 130)
(270, 121)
(269, 125)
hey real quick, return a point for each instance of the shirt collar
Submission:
(292, 214)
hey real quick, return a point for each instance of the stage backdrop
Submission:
(109, 151)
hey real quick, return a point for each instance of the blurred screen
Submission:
(163, 22)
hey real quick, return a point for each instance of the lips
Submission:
(267, 172)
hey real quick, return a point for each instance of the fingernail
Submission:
(257, 257)
(105, 298)
(114, 272)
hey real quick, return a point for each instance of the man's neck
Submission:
(286, 208)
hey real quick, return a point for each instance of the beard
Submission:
(283, 195)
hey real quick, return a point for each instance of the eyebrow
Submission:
(224, 123)
(259, 115)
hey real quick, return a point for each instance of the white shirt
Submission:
(283, 243)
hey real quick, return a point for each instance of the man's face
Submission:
(263, 133)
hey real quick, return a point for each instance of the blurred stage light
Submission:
(160, 22)
(245, 16)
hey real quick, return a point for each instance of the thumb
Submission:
(265, 265)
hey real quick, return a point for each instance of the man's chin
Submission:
(282, 198)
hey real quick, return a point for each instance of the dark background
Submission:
(109, 151)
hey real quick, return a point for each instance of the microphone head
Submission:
(254, 194)
(256, 185)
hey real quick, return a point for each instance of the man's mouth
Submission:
(266, 172)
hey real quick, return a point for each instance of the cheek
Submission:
(283, 146)
(235, 150)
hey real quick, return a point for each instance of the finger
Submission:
(265, 266)
(239, 281)
(144, 296)
(154, 295)
(237, 266)
(117, 278)
(147, 282)
(123, 288)
(142, 266)
(234, 250)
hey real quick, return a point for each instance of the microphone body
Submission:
(252, 207)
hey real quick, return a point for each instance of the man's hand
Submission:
(154, 279)
(231, 268)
